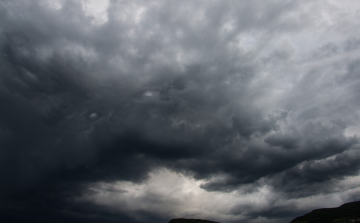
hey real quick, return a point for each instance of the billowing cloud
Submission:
(149, 110)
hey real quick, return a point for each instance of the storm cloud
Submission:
(143, 111)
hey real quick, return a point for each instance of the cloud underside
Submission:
(145, 111)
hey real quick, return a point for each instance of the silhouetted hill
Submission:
(183, 220)
(346, 213)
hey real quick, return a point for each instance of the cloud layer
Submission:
(133, 111)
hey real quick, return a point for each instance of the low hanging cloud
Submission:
(144, 111)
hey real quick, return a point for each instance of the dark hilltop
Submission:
(349, 212)
(346, 213)
(183, 220)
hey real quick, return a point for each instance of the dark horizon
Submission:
(146, 111)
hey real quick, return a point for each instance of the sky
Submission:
(145, 111)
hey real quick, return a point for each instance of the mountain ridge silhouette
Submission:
(346, 213)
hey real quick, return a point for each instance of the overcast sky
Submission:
(144, 111)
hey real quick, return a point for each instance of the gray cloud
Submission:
(235, 95)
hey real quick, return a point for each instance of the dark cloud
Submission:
(318, 174)
(286, 142)
(237, 95)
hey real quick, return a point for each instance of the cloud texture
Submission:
(128, 111)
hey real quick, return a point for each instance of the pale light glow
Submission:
(352, 131)
(96, 9)
(148, 94)
(185, 199)
(54, 4)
